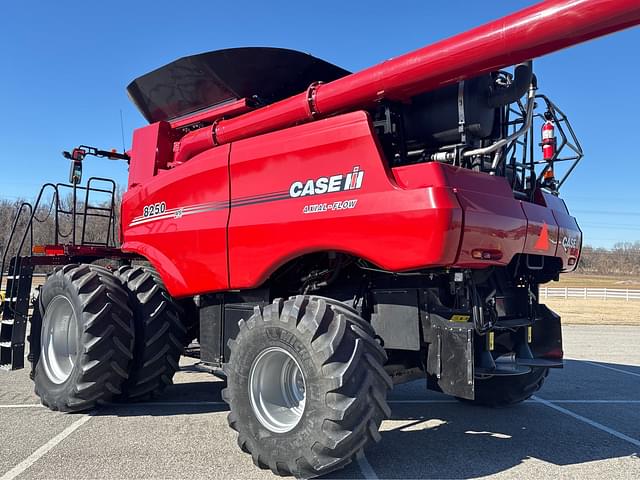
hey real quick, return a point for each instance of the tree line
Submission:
(621, 260)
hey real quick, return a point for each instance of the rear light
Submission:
(556, 353)
(37, 250)
(53, 250)
(482, 254)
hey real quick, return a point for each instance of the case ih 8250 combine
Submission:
(324, 234)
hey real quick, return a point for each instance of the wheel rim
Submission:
(277, 390)
(59, 339)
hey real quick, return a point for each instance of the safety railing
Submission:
(27, 214)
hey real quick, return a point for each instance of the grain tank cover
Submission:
(199, 81)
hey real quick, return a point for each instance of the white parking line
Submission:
(398, 402)
(588, 421)
(422, 401)
(26, 405)
(165, 404)
(44, 449)
(612, 368)
(365, 467)
(604, 402)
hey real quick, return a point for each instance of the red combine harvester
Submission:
(325, 235)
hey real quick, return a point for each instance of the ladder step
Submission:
(6, 321)
(503, 370)
(513, 323)
(5, 344)
(540, 362)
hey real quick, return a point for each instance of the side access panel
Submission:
(569, 243)
(219, 317)
(494, 223)
(542, 230)
(495, 226)
(324, 186)
(178, 220)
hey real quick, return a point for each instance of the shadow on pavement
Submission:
(455, 440)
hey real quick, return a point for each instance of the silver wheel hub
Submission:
(59, 339)
(277, 390)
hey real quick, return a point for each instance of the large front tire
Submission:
(306, 386)
(86, 341)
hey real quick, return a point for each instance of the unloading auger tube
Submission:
(532, 32)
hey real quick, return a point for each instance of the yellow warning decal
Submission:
(491, 338)
(460, 318)
(529, 333)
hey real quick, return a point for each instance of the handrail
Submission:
(10, 239)
(33, 210)
(112, 209)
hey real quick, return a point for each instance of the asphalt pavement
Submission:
(584, 423)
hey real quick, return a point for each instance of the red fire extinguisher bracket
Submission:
(548, 140)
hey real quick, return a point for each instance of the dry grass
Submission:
(594, 311)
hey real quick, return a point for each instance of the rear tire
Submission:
(339, 387)
(160, 333)
(505, 391)
(87, 337)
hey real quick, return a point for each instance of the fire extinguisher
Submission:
(548, 138)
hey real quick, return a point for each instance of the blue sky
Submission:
(64, 67)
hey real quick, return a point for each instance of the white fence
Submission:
(583, 292)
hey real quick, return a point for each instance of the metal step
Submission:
(11, 357)
(540, 362)
(513, 323)
(14, 313)
(503, 370)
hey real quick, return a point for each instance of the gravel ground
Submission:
(585, 423)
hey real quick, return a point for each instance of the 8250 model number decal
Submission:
(154, 209)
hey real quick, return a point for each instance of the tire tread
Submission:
(106, 340)
(159, 333)
(351, 363)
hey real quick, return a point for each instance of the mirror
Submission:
(75, 175)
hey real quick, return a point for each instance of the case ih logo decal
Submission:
(335, 183)
(569, 243)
